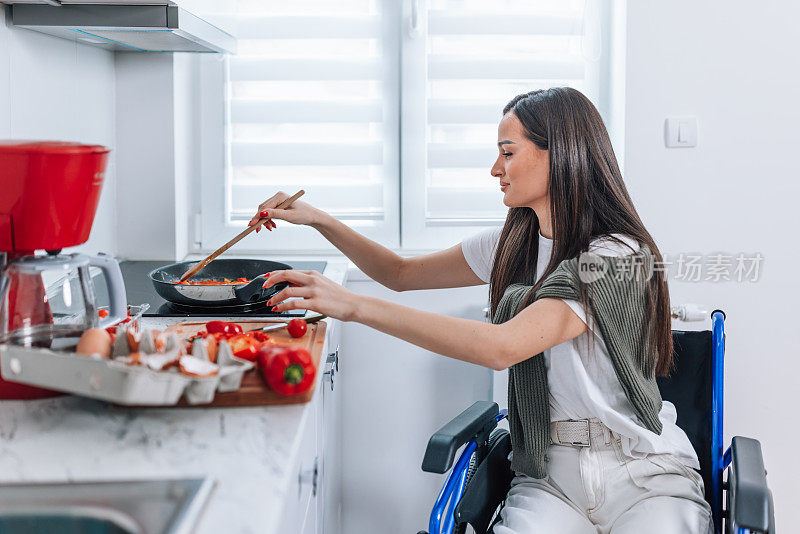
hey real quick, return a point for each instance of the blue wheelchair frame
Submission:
(442, 518)
(453, 488)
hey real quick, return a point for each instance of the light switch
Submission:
(680, 132)
(683, 132)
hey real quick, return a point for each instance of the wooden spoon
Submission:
(201, 265)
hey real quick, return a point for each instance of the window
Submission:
(477, 55)
(312, 104)
(385, 111)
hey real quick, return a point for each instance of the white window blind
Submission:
(312, 95)
(464, 62)
(384, 111)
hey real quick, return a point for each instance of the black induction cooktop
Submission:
(140, 290)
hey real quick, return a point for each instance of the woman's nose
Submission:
(497, 171)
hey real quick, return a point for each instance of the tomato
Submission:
(297, 328)
(225, 282)
(244, 346)
(223, 327)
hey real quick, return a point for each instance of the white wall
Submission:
(734, 66)
(158, 154)
(53, 89)
(159, 128)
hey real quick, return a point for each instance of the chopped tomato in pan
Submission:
(223, 282)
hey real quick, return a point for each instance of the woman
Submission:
(594, 448)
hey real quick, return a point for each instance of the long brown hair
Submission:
(588, 200)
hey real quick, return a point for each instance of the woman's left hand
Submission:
(317, 293)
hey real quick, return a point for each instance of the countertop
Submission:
(249, 451)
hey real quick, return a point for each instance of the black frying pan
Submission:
(165, 281)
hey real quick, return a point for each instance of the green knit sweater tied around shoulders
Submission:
(615, 286)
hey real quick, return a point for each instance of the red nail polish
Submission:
(274, 308)
(267, 274)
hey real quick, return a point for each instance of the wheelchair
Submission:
(475, 490)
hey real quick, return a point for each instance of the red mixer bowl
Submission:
(50, 194)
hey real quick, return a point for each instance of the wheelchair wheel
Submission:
(474, 462)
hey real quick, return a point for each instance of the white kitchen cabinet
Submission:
(313, 501)
(303, 479)
(329, 512)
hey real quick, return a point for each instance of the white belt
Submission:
(577, 432)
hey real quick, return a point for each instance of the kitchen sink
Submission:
(120, 507)
(84, 521)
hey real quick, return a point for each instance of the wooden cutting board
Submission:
(254, 391)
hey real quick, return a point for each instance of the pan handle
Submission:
(253, 292)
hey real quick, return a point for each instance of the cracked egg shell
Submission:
(133, 340)
(134, 358)
(159, 340)
(161, 361)
(193, 366)
(212, 347)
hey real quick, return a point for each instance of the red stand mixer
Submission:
(49, 200)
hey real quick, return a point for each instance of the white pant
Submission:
(598, 490)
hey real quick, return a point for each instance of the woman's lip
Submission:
(503, 187)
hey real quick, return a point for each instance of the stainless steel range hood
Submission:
(125, 28)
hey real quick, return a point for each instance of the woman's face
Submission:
(522, 167)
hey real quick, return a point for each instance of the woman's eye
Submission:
(506, 154)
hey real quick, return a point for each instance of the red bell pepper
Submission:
(243, 346)
(259, 336)
(287, 370)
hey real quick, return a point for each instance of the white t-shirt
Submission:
(583, 384)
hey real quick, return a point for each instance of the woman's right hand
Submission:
(298, 213)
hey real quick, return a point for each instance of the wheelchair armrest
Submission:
(443, 444)
(749, 498)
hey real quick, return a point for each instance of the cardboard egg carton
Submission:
(138, 373)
